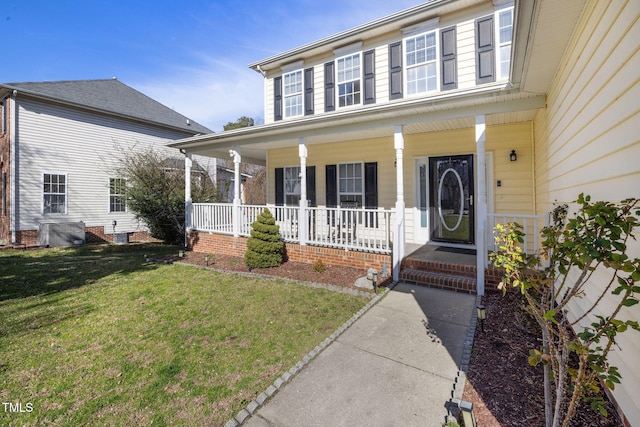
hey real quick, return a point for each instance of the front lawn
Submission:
(97, 336)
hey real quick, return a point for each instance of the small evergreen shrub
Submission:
(264, 247)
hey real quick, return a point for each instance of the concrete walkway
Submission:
(395, 366)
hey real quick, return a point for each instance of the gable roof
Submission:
(108, 96)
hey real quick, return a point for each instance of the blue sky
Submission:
(190, 55)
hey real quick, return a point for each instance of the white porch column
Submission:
(481, 204)
(188, 163)
(302, 214)
(399, 225)
(235, 155)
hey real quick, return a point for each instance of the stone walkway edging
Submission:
(281, 381)
(461, 376)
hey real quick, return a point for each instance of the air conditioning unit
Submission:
(61, 234)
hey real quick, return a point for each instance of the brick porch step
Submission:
(454, 282)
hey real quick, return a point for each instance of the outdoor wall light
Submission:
(513, 156)
(482, 314)
(468, 419)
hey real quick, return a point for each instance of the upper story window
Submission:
(421, 59)
(504, 32)
(54, 193)
(494, 34)
(348, 80)
(293, 99)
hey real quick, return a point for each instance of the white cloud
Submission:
(218, 91)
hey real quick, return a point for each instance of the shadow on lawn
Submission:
(41, 272)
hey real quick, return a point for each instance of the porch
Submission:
(357, 237)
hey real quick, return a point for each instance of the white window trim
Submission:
(285, 96)
(66, 193)
(284, 190)
(126, 207)
(502, 6)
(338, 83)
(340, 193)
(418, 30)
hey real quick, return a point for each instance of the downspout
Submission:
(188, 203)
(13, 167)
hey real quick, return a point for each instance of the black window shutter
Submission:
(308, 91)
(485, 51)
(371, 191)
(395, 70)
(329, 87)
(449, 67)
(277, 98)
(279, 186)
(311, 185)
(332, 185)
(369, 77)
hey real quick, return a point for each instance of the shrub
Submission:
(319, 266)
(264, 247)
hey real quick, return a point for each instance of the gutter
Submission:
(318, 121)
(37, 96)
(356, 31)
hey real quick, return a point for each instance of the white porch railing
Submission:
(531, 225)
(366, 230)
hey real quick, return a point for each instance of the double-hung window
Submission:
(351, 183)
(348, 73)
(422, 67)
(54, 193)
(117, 195)
(421, 58)
(293, 98)
(292, 183)
(504, 33)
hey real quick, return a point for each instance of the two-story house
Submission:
(428, 126)
(59, 148)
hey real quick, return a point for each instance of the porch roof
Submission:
(500, 103)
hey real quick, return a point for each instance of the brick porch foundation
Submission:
(236, 246)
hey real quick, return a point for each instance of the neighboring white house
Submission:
(58, 147)
(428, 125)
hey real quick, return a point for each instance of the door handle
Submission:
(471, 200)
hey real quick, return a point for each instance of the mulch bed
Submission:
(504, 389)
(339, 276)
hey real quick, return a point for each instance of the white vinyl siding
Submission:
(587, 141)
(84, 147)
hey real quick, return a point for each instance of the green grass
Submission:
(96, 336)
